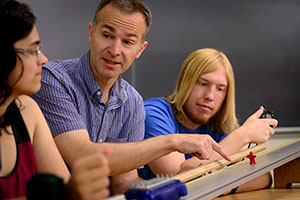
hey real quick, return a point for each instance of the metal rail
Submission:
(224, 180)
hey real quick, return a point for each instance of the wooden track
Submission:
(218, 164)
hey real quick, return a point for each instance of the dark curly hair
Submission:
(16, 21)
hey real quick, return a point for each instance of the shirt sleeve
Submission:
(222, 136)
(159, 119)
(58, 106)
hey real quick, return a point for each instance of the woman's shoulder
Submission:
(25, 99)
(27, 104)
(30, 112)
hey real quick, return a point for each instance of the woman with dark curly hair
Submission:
(26, 144)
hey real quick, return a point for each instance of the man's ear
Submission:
(91, 29)
(142, 48)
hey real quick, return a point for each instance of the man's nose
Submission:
(115, 48)
(210, 93)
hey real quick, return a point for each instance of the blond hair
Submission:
(200, 62)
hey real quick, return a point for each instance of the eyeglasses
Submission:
(33, 52)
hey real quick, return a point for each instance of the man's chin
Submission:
(197, 118)
(201, 120)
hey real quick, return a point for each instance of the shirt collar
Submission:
(118, 90)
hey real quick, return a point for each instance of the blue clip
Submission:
(159, 188)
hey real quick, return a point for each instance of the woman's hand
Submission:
(89, 178)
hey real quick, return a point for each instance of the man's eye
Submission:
(128, 42)
(106, 35)
(221, 89)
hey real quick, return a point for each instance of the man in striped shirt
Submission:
(89, 106)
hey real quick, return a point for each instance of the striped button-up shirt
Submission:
(70, 99)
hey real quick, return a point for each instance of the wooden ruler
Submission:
(218, 164)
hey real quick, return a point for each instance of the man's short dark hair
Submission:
(128, 6)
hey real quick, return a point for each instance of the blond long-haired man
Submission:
(203, 102)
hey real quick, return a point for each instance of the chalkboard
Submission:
(260, 37)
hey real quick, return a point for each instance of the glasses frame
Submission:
(33, 52)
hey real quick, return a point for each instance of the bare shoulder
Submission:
(30, 111)
(26, 102)
(28, 107)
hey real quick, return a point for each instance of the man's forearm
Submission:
(125, 157)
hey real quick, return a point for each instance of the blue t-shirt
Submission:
(160, 120)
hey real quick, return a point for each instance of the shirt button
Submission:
(98, 93)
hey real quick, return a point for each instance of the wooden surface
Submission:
(287, 174)
(267, 194)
